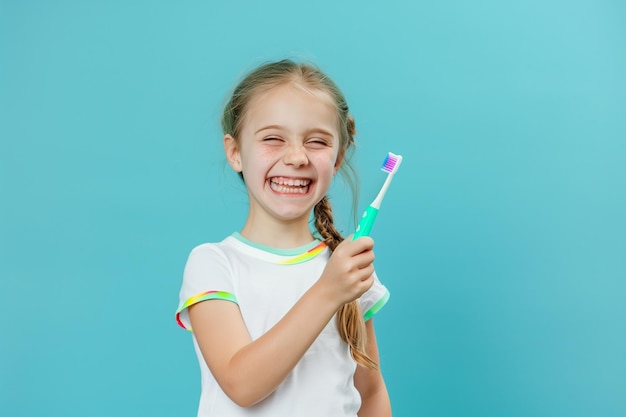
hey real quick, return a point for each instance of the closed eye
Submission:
(317, 143)
(272, 140)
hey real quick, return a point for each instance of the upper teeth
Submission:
(291, 181)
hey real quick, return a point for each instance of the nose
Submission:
(296, 156)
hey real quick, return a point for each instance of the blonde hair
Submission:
(350, 321)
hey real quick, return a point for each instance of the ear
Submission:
(339, 161)
(231, 148)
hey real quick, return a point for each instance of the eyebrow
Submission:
(268, 128)
(308, 131)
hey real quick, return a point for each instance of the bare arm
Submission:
(371, 385)
(248, 371)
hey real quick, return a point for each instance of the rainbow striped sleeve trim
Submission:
(310, 254)
(376, 307)
(203, 296)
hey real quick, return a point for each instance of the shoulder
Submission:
(207, 257)
(205, 249)
(211, 250)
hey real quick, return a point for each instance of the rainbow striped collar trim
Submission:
(308, 255)
(276, 256)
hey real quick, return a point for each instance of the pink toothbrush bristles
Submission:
(390, 162)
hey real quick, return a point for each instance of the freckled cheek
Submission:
(267, 154)
(260, 159)
(324, 163)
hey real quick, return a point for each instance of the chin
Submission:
(291, 216)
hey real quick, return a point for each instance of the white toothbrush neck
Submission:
(381, 194)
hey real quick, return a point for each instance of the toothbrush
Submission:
(390, 166)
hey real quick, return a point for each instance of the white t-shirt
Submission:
(265, 283)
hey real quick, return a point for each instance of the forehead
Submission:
(291, 101)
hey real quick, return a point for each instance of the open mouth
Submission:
(290, 185)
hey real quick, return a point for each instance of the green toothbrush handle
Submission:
(366, 222)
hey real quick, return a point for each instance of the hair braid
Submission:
(350, 321)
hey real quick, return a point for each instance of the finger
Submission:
(364, 259)
(353, 247)
(368, 274)
(365, 243)
(366, 284)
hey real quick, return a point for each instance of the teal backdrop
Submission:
(502, 238)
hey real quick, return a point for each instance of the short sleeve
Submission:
(374, 299)
(207, 276)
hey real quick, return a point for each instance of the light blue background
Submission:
(502, 238)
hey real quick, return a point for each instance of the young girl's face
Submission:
(288, 152)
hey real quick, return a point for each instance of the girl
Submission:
(262, 302)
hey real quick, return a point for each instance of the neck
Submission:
(276, 234)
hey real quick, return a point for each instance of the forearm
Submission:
(376, 404)
(258, 368)
(370, 382)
